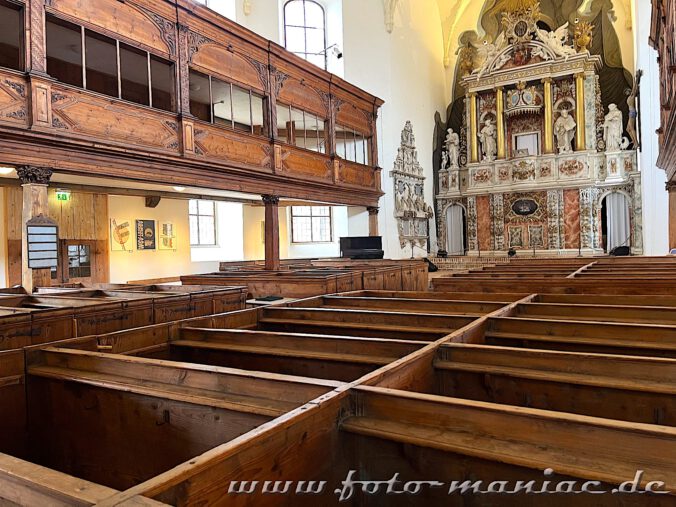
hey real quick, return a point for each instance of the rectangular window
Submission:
(352, 145)
(311, 224)
(134, 74)
(225, 104)
(101, 64)
(11, 36)
(221, 94)
(64, 51)
(200, 96)
(111, 67)
(162, 77)
(202, 215)
(241, 109)
(301, 128)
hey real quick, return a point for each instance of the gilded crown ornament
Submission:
(583, 35)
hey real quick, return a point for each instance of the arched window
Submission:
(305, 30)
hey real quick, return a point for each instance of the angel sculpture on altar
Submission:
(556, 41)
(488, 51)
(564, 128)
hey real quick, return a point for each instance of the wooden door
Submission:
(77, 262)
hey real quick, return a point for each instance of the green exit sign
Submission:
(62, 195)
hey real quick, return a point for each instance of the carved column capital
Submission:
(34, 174)
(373, 210)
(671, 186)
(270, 200)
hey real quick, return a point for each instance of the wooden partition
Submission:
(437, 386)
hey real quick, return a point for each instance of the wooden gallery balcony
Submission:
(168, 91)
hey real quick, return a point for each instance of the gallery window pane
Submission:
(221, 93)
(134, 74)
(163, 79)
(64, 51)
(283, 125)
(258, 116)
(11, 35)
(200, 99)
(298, 127)
(241, 105)
(101, 63)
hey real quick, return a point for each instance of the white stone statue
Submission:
(444, 160)
(564, 129)
(613, 128)
(556, 41)
(489, 145)
(452, 148)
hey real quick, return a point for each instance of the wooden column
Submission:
(35, 49)
(473, 132)
(271, 232)
(500, 110)
(373, 220)
(34, 181)
(549, 117)
(580, 133)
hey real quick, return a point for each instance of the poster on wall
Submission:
(120, 235)
(145, 234)
(167, 236)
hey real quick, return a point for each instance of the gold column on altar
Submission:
(473, 133)
(549, 116)
(500, 107)
(580, 133)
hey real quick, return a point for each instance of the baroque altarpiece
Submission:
(538, 153)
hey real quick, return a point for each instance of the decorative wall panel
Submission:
(83, 113)
(307, 164)
(13, 99)
(227, 145)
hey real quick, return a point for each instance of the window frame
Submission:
(321, 141)
(305, 29)
(198, 215)
(232, 85)
(148, 55)
(311, 217)
(21, 9)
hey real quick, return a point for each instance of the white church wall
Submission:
(653, 179)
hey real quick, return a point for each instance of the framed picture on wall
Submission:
(145, 235)
(167, 236)
(120, 235)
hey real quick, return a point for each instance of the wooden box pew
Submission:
(508, 276)
(27, 484)
(607, 299)
(427, 437)
(578, 336)
(304, 445)
(377, 324)
(318, 356)
(403, 305)
(15, 328)
(204, 300)
(554, 286)
(606, 313)
(503, 298)
(119, 420)
(12, 402)
(637, 389)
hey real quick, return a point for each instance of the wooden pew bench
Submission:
(576, 446)
(391, 325)
(405, 305)
(636, 389)
(317, 356)
(579, 336)
(607, 313)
